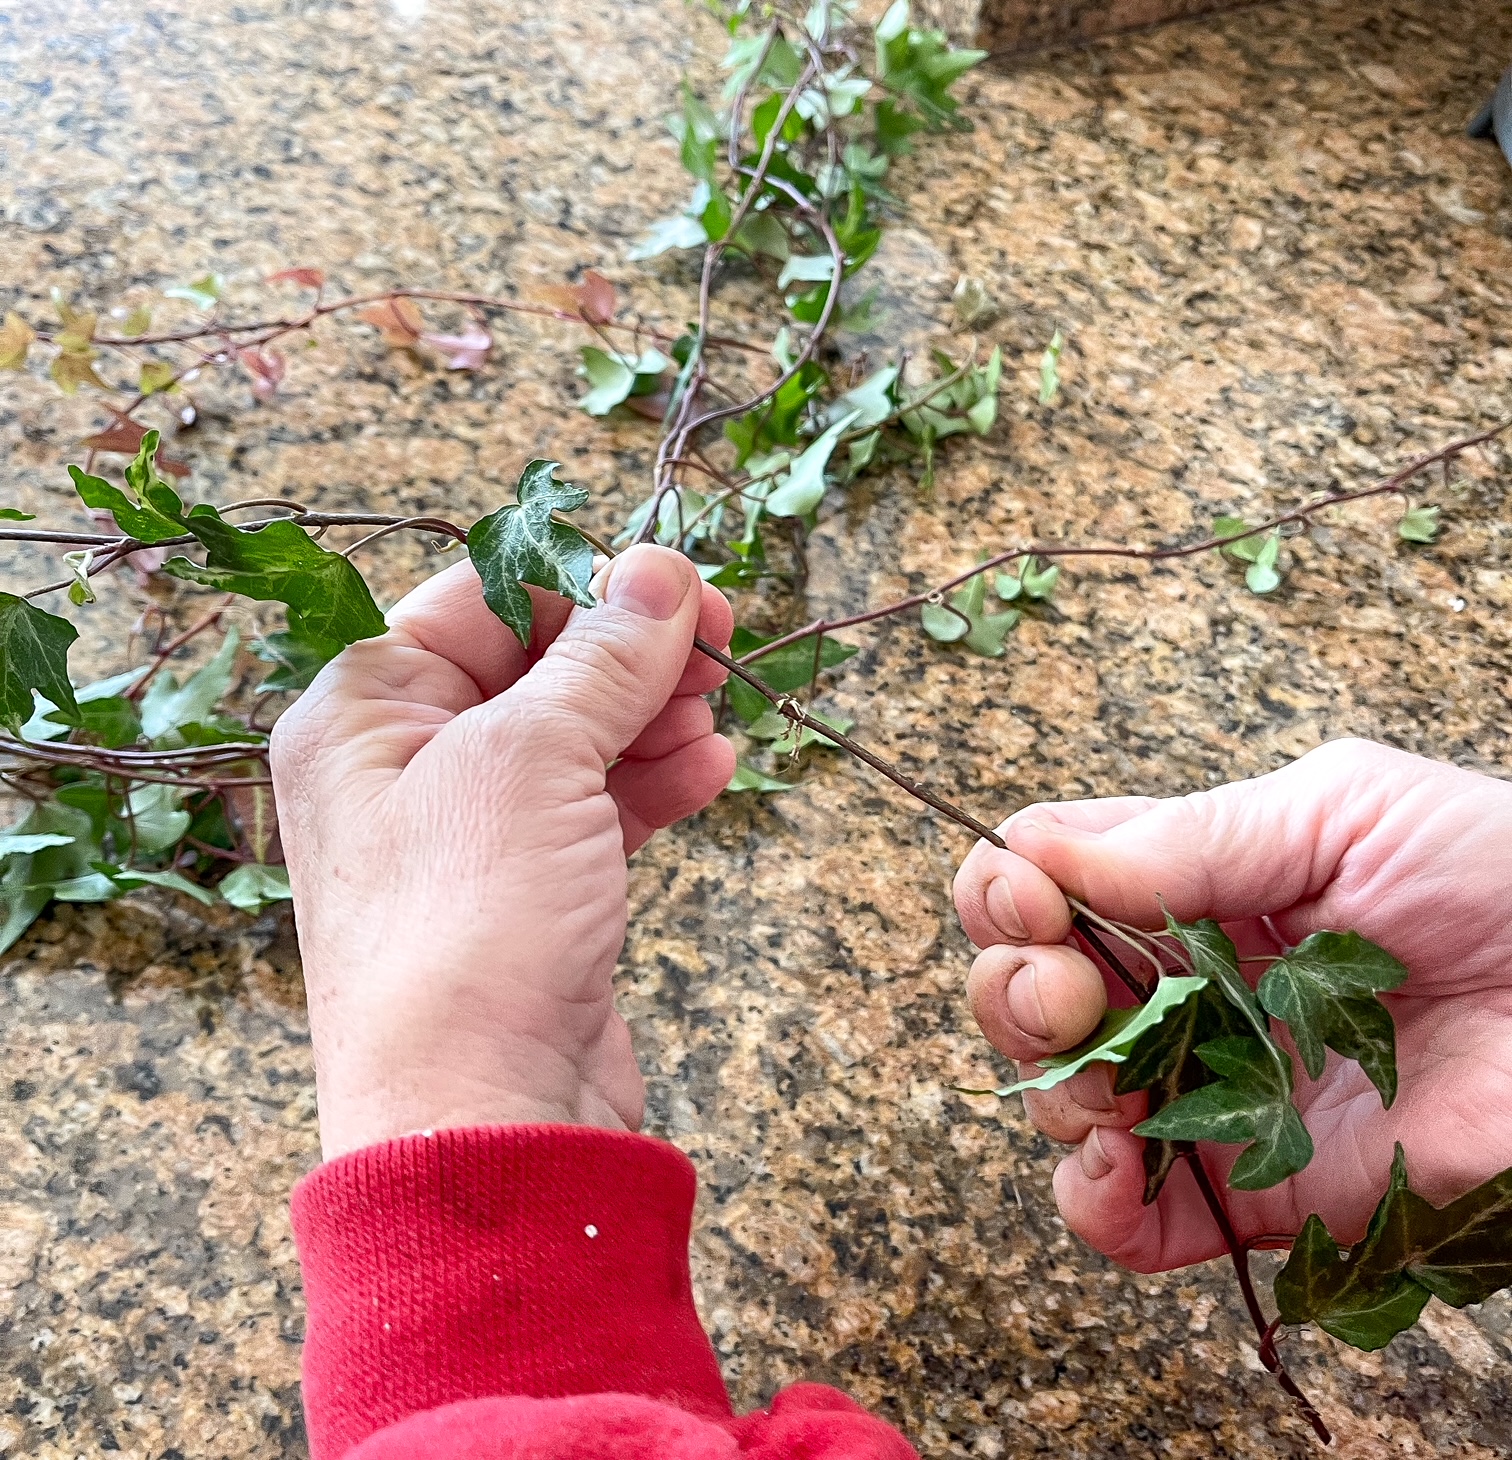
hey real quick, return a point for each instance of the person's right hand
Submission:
(1413, 855)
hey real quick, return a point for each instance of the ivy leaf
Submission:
(136, 519)
(15, 514)
(325, 595)
(33, 656)
(802, 489)
(1459, 1253)
(305, 278)
(156, 817)
(785, 669)
(1050, 381)
(1325, 989)
(466, 351)
(615, 377)
(1417, 524)
(175, 881)
(16, 338)
(1261, 575)
(1114, 1039)
(266, 368)
(521, 544)
(776, 727)
(113, 721)
(299, 659)
(1031, 581)
(748, 778)
(967, 622)
(942, 625)
(28, 876)
(1251, 1102)
(137, 322)
(156, 376)
(73, 368)
(203, 293)
(167, 705)
(398, 321)
(669, 233)
(253, 885)
(868, 404)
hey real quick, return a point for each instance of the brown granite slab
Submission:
(1279, 265)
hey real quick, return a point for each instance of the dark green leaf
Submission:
(325, 595)
(28, 876)
(112, 721)
(1326, 989)
(138, 520)
(299, 659)
(521, 544)
(1250, 1102)
(785, 669)
(33, 656)
(748, 778)
(15, 514)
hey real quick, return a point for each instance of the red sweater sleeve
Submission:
(523, 1291)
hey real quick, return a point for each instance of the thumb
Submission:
(1237, 851)
(613, 667)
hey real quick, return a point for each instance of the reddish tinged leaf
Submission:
(653, 407)
(592, 300)
(265, 368)
(306, 278)
(124, 436)
(596, 298)
(466, 351)
(397, 320)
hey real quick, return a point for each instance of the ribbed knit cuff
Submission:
(542, 1260)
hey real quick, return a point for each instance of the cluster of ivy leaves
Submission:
(1204, 1047)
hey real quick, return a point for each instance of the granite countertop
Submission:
(1280, 266)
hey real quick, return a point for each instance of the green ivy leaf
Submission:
(33, 656)
(156, 375)
(969, 623)
(785, 669)
(156, 815)
(174, 881)
(1114, 1039)
(1325, 989)
(521, 544)
(1459, 1253)
(112, 721)
(299, 659)
(669, 233)
(748, 778)
(325, 595)
(776, 727)
(1246, 549)
(1251, 1102)
(253, 885)
(802, 489)
(167, 705)
(154, 514)
(203, 293)
(28, 876)
(15, 514)
(1261, 575)
(1050, 381)
(1419, 524)
(615, 377)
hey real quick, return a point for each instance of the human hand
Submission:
(1413, 855)
(456, 814)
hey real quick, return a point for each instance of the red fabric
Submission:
(522, 1293)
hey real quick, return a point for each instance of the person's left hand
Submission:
(456, 814)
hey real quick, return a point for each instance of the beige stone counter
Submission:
(1279, 266)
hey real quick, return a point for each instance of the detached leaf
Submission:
(1417, 524)
(1326, 989)
(748, 778)
(16, 338)
(1251, 1102)
(203, 293)
(1050, 381)
(521, 544)
(325, 595)
(1114, 1039)
(1460, 1253)
(398, 321)
(252, 886)
(33, 656)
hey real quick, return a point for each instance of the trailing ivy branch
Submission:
(138, 780)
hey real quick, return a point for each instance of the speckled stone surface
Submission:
(1279, 266)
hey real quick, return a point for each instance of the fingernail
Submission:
(1093, 1090)
(1095, 1163)
(651, 584)
(1024, 1003)
(1003, 911)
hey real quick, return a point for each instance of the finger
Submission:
(1035, 1001)
(655, 793)
(1001, 897)
(612, 668)
(716, 622)
(1099, 1189)
(1070, 1110)
(1237, 851)
(685, 718)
